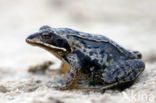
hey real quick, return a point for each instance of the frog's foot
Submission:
(71, 82)
(66, 86)
(122, 74)
(75, 86)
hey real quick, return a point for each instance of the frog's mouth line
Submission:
(45, 45)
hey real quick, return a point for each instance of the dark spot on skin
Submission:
(77, 33)
(68, 37)
(91, 53)
(96, 47)
(74, 48)
(101, 61)
(84, 50)
(89, 47)
(78, 46)
(102, 52)
(72, 75)
(83, 42)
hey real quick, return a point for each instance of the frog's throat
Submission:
(50, 48)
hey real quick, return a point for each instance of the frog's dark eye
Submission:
(46, 36)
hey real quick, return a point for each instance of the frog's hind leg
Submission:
(122, 74)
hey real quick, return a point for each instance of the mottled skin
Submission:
(101, 59)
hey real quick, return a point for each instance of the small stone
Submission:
(3, 89)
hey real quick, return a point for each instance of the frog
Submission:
(96, 57)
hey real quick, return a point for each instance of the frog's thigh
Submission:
(123, 73)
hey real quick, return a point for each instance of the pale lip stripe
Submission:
(48, 45)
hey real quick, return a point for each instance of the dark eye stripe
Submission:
(46, 36)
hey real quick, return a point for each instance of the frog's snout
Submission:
(30, 37)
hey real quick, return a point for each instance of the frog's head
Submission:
(48, 39)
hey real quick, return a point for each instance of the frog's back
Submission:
(87, 36)
(95, 42)
(100, 52)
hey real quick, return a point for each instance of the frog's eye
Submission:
(46, 36)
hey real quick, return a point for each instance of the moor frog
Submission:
(101, 59)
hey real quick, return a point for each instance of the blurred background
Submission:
(131, 23)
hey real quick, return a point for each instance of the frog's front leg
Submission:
(71, 81)
(123, 73)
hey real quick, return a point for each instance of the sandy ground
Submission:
(129, 22)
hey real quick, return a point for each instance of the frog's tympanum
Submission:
(100, 59)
